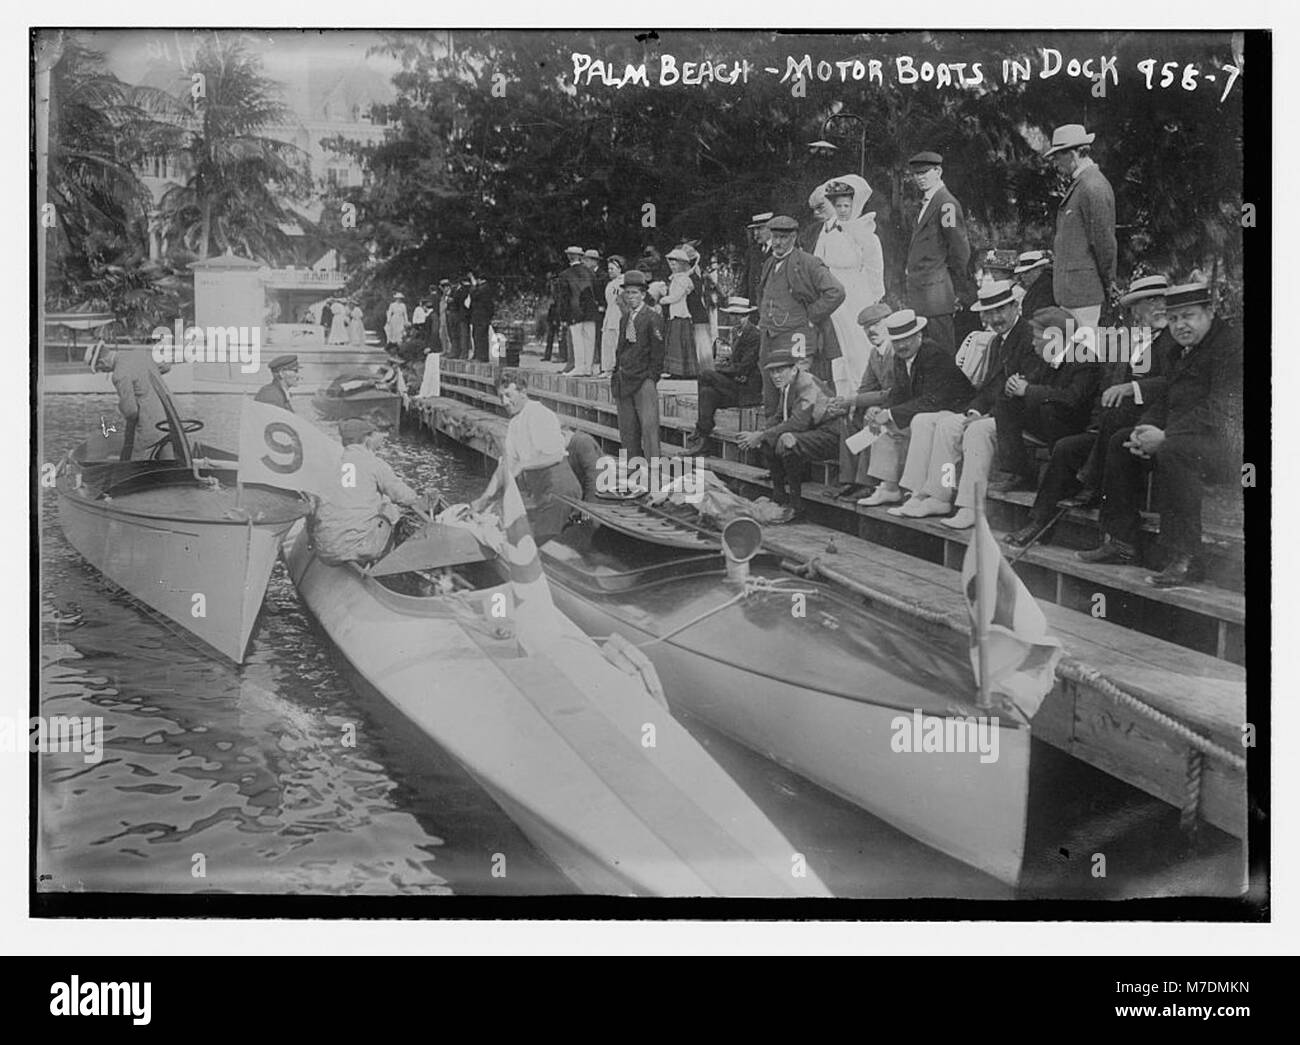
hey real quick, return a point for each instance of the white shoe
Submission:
(922, 508)
(881, 496)
(963, 520)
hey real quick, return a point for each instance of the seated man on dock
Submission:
(807, 429)
(1192, 430)
(952, 450)
(877, 380)
(536, 456)
(736, 381)
(926, 380)
(355, 523)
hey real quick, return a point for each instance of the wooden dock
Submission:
(1152, 693)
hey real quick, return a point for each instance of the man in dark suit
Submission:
(733, 382)
(798, 296)
(1083, 272)
(1190, 428)
(1080, 460)
(458, 320)
(284, 375)
(482, 306)
(926, 380)
(577, 309)
(937, 276)
(1033, 273)
(638, 363)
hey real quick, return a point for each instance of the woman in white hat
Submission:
(615, 266)
(397, 320)
(338, 323)
(679, 356)
(848, 243)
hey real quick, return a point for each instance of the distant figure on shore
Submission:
(397, 320)
(338, 323)
(356, 327)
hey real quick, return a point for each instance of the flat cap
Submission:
(281, 362)
(783, 223)
(926, 159)
(873, 314)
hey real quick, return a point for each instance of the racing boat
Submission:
(175, 531)
(568, 738)
(799, 672)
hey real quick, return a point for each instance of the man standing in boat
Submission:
(536, 455)
(284, 375)
(355, 523)
(133, 373)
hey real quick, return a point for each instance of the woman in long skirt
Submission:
(338, 323)
(614, 312)
(679, 337)
(698, 305)
(356, 327)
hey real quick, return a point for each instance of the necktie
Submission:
(785, 403)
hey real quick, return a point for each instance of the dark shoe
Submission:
(1035, 531)
(1011, 485)
(1182, 570)
(1086, 498)
(694, 443)
(1111, 552)
(849, 492)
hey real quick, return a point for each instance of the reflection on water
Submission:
(279, 776)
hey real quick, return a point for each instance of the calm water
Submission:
(240, 771)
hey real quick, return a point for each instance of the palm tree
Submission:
(239, 176)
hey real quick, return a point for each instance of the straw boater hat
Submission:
(995, 295)
(1188, 294)
(574, 251)
(759, 220)
(1146, 287)
(591, 252)
(903, 324)
(1069, 136)
(738, 306)
(1032, 259)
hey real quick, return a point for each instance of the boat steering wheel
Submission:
(188, 425)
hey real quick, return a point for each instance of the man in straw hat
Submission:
(1033, 274)
(1078, 461)
(951, 451)
(735, 381)
(1084, 269)
(760, 247)
(806, 430)
(926, 380)
(938, 277)
(576, 288)
(1191, 430)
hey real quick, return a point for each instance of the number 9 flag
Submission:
(278, 448)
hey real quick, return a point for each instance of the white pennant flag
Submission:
(282, 449)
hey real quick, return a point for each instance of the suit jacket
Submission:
(1009, 353)
(482, 302)
(938, 259)
(805, 402)
(743, 364)
(1040, 295)
(816, 288)
(1201, 392)
(935, 383)
(636, 362)
(877, 380)
(1072, 386)
(273, 392)
(755, 258)
(577, 295)
(1083, 266)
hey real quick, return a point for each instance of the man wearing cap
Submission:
(638, 362)
(577, 309)
(937, 275)
(355, 522)
(1191, 428)
(951, 451)
(535, 453)
(1033, 274)
(877, 380)
(798, 296)
(1080, 460)
(137, 380)
(284, 375)
(734, 381)
(1084, 267)
(926, 380)
(807, 429)
(760, 246)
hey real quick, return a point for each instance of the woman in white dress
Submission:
(338, 323)
(356, 327)
(848, 243)
(614, 312)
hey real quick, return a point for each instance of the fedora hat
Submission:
(738, 306)
(1069, 136)
(903, 324)
(994, 295)
(758, 220)
(1030, 260)
(1156, 286)
(574, 250)
(781, 357)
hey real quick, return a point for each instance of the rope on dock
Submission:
(1067, 668)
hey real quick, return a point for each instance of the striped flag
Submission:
(535, 614)
(1022, 656)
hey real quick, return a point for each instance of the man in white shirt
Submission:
(536, 454)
